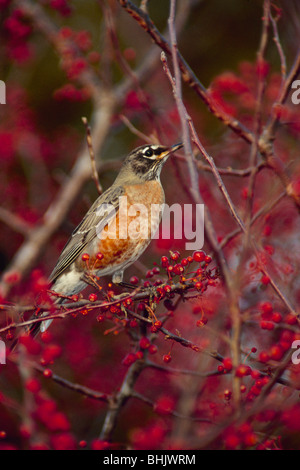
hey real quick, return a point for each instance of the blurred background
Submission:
(54, 56)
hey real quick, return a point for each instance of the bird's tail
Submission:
(37, 327)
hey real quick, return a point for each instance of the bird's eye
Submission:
(148, 152)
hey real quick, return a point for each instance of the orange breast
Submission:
(129, 233)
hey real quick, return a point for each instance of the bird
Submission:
(101, 244)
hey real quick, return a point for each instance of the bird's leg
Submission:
(118, 277)
(127, 285)
(118, 280)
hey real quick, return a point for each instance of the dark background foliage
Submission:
(59, 62)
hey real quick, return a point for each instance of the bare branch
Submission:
(92, 156)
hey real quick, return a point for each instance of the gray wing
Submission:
(98, 216)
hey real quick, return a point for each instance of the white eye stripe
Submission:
(150, 149)
(153, 157)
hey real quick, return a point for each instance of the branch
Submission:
(187, 74)
(265, 142)
(87, 392)
(32, 247)
(92, 155)
(126, 391)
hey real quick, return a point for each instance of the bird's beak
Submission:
(176, 147)
(170, 150)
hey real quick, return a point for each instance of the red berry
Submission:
(198, 285)
(267, 230)
(167, 358)
(164, 261)
(99, 256)
(50, 353)
(264, 356)
(152, 349)
(33, 385)
(139, 355)
(269, 249)
(242, 370)
(255, 374)
(265, 280)
(25, 431)
(127, 302)
(227, 363)
(32, 346)
(276, 317)
(47, 373)
(208, 259)
(46, 337)
(134, 280)
(276, 353)
(266, 325)
(129, 359)
(178, 269)
(175, 255)
(291, 319)
(266, 308)
(144, 343)
(250, 439)
(93, 297)
(232, 441)
(199, 256)
(203, 321)
(97, 444)
(197, 309)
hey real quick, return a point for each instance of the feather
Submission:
(101, 212)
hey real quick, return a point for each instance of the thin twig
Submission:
(135, 131)
(279, 48)
(14, 222)
(265, 143)
(87, 392)
(186, 72)
(92, 155)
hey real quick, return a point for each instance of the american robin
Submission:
(101, 243)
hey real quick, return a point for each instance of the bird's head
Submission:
(145, 163)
